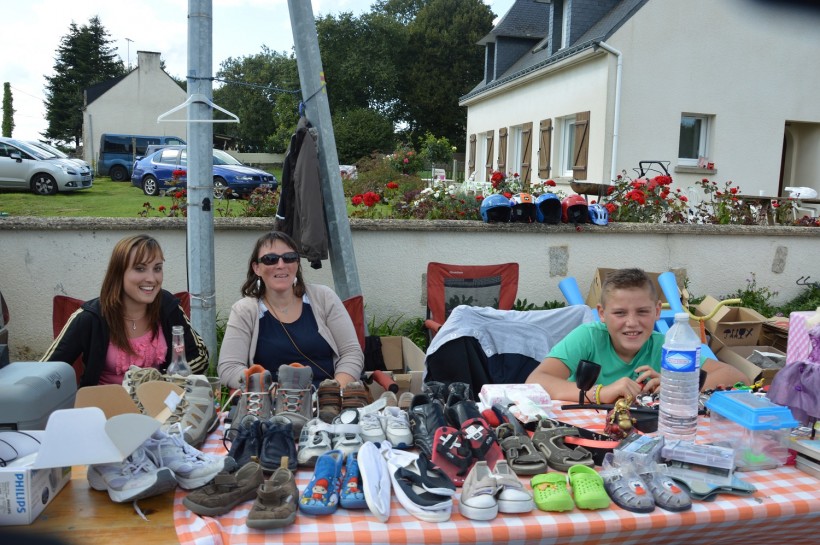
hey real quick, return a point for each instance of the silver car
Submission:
(48, 148)
(26, 167)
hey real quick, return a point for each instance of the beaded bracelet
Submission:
(598, 393)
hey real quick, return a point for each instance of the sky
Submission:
(30, 34)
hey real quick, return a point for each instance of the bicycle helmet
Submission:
(598, 214)
(495, 208)
(574, 210)
(523, 208)
(548, 208)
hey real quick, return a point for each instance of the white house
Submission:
(583, 89)
(130, 104)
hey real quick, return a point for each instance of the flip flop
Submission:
(587, 488)
(519, 451)
(549, 439)
(549, 490)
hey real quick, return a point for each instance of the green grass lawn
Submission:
(106, 199)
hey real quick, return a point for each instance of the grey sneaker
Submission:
(294, 398)
(226, 491)
(134, 478)
(197, 411)
(276, 502)
(191, 467)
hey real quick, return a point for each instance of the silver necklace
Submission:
(134, 321)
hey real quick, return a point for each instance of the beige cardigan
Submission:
(335, 327)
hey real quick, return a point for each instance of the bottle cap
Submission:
(681, 317)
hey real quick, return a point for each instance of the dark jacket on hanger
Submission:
(301, 212)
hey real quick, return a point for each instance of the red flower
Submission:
(496, 177)
(177, 174)
(611, 207)
(479, 198)
(515, 175)
(705, 180)
(406, 160)
(370, 199)
(178, 195)
(356, 200)
(392, 185)
(161, 208)
(664, 193)
(610, 190)
(507, 194)
(718, 193)
(550, 183)
(683, 198)
(174, 207)
(733, 190)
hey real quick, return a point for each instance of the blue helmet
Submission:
(496, 208)
(548, 208)
(598, 214)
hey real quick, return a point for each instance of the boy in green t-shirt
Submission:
(623, 343)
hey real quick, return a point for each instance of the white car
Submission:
(84, 166)
(26, 167)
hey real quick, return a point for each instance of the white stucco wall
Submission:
(133, 105)
(69, 256)
(752, 65)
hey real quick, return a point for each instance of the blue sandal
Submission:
(321, 497)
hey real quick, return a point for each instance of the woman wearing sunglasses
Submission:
(130, 323)
(281, 320)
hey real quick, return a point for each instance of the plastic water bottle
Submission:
(680, 371)
(179, 364)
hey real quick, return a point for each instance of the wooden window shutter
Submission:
(580, 153)
(489, 160)
(471, 164)
(502, 150)
(526, 154)
(544, 148)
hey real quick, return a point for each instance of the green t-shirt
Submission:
(591, 342)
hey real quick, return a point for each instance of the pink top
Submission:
(148, 352)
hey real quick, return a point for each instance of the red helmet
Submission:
(574, 209)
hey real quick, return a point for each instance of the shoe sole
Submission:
(270, 524)
(478, 513)
(164, 482)
(215, 511)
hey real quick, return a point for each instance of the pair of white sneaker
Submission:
(161, 463)
(425, 493)
(487, 492)
(318, 437)
(390, 424)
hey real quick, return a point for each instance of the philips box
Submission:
(24, 491)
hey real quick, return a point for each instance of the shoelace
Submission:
(139, 462)
(254, 403)
(291, 399)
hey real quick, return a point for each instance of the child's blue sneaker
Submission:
(321, 497)
(352, 492)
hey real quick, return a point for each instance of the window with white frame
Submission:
(567, 145)
(514, 149)
(694, 138)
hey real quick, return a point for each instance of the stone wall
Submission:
(42, 257)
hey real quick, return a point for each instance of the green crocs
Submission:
(587, 488)
(549, 490)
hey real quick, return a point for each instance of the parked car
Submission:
(62, 155)
(155, 172)
(26, 167)
(118, 152)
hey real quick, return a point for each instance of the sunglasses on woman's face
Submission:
(273, 259)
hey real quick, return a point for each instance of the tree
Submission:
(361, 131)
(445, 64)
(85, 57)
(8, 111)
(262, 90)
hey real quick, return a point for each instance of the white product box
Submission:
(24, 491)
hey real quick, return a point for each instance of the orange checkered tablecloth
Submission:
(785, 508)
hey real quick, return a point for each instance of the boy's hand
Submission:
(648, 378)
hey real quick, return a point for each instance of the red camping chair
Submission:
(355, 307)
(64, 306)
(476, 285)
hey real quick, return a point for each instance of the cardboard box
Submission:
(105, 425)
(775, 332)
(733, 326)
(404, 361)
(595, 288)
(737, 357)
(24, 491)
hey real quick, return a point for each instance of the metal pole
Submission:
(200, 240)
(317, 109)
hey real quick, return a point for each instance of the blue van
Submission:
(119, 151)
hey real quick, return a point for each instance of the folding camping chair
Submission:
(64, 306)
(355, 307)
(449, 286)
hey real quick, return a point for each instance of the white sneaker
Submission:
(372, 429)
(314, 440)
(397, 427)
(134, 478)
(191, 467)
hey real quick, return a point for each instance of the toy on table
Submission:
(619, 421)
